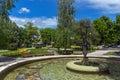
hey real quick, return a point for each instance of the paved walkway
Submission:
(102, 52)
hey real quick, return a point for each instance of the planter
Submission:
(100, 67)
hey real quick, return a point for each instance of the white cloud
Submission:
(107, 6)
(41, 22)
(24, 10)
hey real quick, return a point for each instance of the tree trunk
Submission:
(85, 61)
(84, 45)
(85, 58)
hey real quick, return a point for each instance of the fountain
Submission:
(85, 65)
(55, 69)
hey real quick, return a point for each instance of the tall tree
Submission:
(65, 21)
(47, 35)
(117, 28)
(32, 33)
(105, 27)
(5, 7)
(85, 26)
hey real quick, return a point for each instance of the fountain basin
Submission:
(20, 63)
(82, 68)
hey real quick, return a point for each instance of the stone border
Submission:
(81, 68)
(7, 68)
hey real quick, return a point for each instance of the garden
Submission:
(61, 53)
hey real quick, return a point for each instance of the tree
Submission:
(65, 21)
(32, 34)
(77, 40)
(5, 22)
(5, 8)
(94, 36)
(117, 29)
(48, 35)
(85, 29)
(105, 27)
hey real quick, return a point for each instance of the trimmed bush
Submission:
(76, 47)
(13, 46)
(48, 46)
(12, 54)
(37, 46)
(67, 52)
(17, 53)
(95, 48)
(23, 51)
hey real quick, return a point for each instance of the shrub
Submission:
(95, 48)
(48, 46)
(37, 46)
(12, 54)
(13, 46)
(23, 51)
(111, 53)
(68, 52)
(17, 53)
(76, 47)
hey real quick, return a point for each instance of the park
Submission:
(76, 49)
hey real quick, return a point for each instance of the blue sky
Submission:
(43, 12)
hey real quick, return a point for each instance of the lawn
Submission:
(38, 50)
(113, 53)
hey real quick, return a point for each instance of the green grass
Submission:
(3, 52)
(89, 51)
(39, 50)
(111, 53)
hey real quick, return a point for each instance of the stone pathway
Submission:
(102, 52)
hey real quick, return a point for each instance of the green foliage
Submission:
(23, 51)
(13, 46)
(16, 53)
(85, 25)
(38, 50)
(7, 28)
(12, 54)
(95, 48)
(111, 53)
(66, 52)
(48, 46)
(65, 23)
(108, 30)
(37, 46)
(76, 47)
(5, 8)
(48, 35)
(101, 31)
